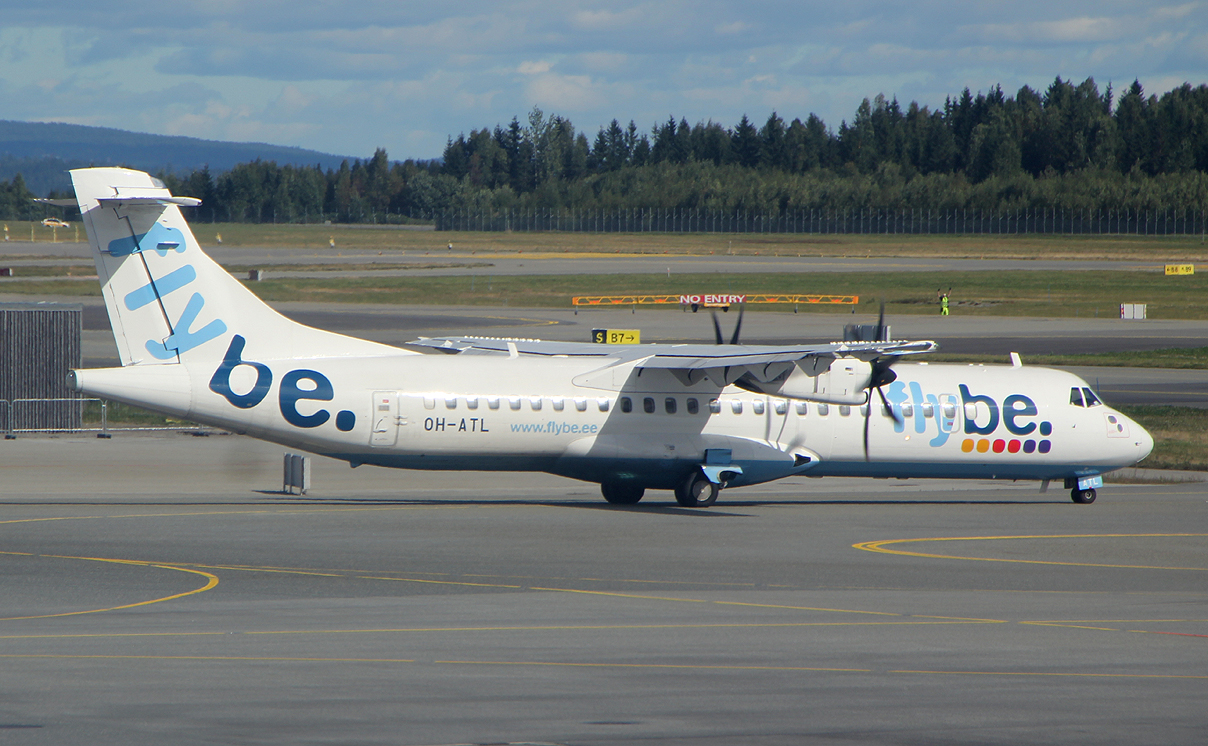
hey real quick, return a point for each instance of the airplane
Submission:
(194, 343)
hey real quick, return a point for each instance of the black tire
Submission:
(696, 492)
(622, 494)
(1083, 497)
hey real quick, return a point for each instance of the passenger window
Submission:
(471, 402)
(714, 406)
(580, 404)
(1076, 397)
(535, 403)
(823, 410)
(757, 406)
(602, 403)
(908, 410)
(648, 405)
(693, 406)
(782, 407)
(950, 410)
(669, 405)
(803, 408)
(736, 406)
(626, 404)
(429, 402)
(450, 402)
(559, 403)
(493, 402)
(1091, 399)
(844, 410)
(928, 410)
(514, 402)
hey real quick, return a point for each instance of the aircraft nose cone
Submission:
(1143, 441)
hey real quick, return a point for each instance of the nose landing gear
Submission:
(1083, 497)
(697, 491)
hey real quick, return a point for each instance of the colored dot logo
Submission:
(985, 445)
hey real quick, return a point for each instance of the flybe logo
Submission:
(297, 385)
(162, 239)
(983, 416)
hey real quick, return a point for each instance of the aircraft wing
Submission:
(678, 356)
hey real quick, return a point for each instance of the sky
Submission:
(349, 76)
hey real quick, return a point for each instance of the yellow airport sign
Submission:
(616, 336)
(1180, 269)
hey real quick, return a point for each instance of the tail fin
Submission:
(168, 302)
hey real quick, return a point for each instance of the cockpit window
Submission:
(1091, 399)
(1076, 397)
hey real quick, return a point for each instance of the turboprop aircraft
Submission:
(195, 343)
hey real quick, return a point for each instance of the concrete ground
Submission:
(160, 589)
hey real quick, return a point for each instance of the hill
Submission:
(42, 152)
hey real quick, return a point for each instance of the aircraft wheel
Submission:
(622, 494)
(696, 492)
(1083, 497)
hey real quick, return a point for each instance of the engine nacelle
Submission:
(830, 380)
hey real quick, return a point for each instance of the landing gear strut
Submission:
(622, 494)
(1082, 497)
(697, 491)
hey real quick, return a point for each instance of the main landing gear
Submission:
(622, 494)
(1083, 497)
(697, 491)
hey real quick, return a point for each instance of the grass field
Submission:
(1090, 294)
(1157, 249)
(1180, 436)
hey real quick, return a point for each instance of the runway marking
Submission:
(614, 594)
(65, 656)
(512, 628)
(602, 665)
(211, 581)
(437, 582)
(566, 664)
(531, 322)
(687, 666)
(1070, 674)
(881, 547)
(1096, 624)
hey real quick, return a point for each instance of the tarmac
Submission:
(162, 589)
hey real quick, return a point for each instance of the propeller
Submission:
(880, 375)
(717, 335)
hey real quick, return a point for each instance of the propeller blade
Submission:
(737, 326)
(897, 418)
(867, 417)
(717, 330)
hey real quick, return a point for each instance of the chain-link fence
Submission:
(78, 415)
(1042, 221)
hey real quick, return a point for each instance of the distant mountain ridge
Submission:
(42, 152)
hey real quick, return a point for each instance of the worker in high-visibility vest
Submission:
(943, 302)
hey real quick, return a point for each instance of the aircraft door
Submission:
(947, 416)
(385, 419)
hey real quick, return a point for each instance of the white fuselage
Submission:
(585, 418)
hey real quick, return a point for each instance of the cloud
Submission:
(349, 77)
(533, 68)
(564, 93)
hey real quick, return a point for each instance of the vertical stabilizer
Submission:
(168, 301)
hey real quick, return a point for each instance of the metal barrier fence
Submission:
(11, 417)
(1047, 221)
